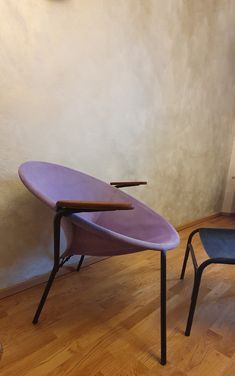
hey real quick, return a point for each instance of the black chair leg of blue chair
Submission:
(187, 251)
(196, 286)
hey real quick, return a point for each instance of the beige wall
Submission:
(120, 89)
(229, 197)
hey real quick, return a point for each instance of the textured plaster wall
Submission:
(229, 197)
(120, 89)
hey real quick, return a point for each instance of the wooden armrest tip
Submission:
(123, 184)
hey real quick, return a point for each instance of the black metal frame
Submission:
(163, 359)
(80, 262)
(163, 309)
(198, 270)
(60, 260)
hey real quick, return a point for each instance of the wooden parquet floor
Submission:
(104, 320)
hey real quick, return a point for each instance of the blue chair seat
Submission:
(218, 242)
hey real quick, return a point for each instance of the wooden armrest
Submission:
(122, 184)
(92, 206)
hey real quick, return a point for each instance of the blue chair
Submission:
(219, 244)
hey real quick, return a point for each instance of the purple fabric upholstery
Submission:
(99, 233)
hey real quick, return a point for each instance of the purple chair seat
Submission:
(100, 233)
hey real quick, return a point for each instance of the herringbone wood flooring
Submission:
(104, 321)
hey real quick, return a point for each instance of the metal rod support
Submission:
(163, 309)
(80, 263)
(57, 220)
(197, 281)
(187, 252)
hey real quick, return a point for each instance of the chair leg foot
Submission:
(163, 310)
(44, 296)
(80, 263)
(163, 362)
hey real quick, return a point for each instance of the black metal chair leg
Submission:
(57, 220)
(187, 252)
(185, 261)
(80, 262)
(197, 281)
(163, 308)
(45, 294)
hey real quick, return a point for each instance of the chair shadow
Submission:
(25, 227)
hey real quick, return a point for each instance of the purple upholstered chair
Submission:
(86, 207)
